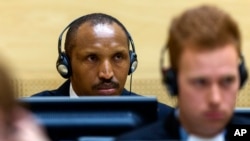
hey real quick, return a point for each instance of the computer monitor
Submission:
(242, 111)
(69, 119)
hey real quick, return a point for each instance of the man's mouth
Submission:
(106, 89)
(214, 115)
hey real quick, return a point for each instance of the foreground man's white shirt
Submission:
(219, 137)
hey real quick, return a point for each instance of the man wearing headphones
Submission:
(207, 70)
(97, 59)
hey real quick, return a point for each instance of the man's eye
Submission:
(118, 56)
(199, 82)
(227, 81)
(92, 58)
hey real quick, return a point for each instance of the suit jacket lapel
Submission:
(63, 90)
(172, 126)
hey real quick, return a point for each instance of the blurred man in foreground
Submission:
(16, 123)
(207, 71)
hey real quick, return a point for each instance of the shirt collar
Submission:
(72, 93)
(218, 137)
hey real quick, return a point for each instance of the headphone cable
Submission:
(130, 85)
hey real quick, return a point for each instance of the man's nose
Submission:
(106, 70)
(215, 96)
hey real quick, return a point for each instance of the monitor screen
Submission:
(242, 111)
(68, 119)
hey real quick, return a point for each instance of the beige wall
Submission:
(30, 29)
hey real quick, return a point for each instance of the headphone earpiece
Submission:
(133, 62)
(170, 81)
(243, 72)
(169, 76)
(63, 65)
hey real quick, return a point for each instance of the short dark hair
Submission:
(94, 19)
(205, 26)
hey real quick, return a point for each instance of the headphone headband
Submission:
(130, 40)
(61, 35)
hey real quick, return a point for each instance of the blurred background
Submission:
(29, 31)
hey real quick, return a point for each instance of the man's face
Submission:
(208, 85)
(100, 60)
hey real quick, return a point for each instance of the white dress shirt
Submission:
(219, 137)
(72, 93)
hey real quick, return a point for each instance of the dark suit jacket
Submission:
(63, 90)
(168, 129)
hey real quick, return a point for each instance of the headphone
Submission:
(63, 63)
(169, 76)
